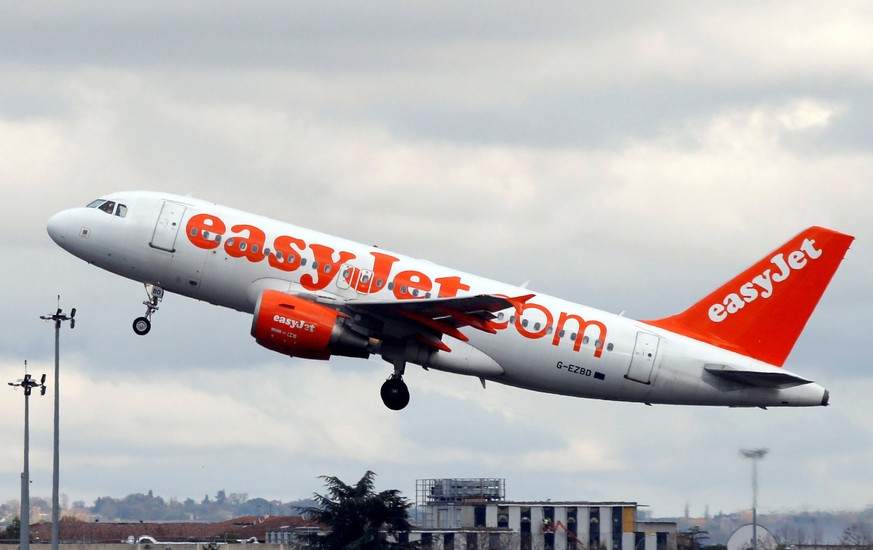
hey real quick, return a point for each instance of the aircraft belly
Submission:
(227, 283)
(540, 366)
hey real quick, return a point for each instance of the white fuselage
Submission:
(549, 345)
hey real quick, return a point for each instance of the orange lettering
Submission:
(407, 281)
(381, 270)
(201, 223)
(251, 247)
(327, 267)
(583, 326)
(290, 256)
(449, 286)
(540, 333)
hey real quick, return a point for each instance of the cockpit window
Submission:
(110, 207)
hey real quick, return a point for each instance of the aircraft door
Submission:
(167, 226)
(643, 359)
(356, 278)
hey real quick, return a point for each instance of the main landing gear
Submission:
(142, 325)
(394, 392)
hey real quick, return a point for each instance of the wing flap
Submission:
(432, 318)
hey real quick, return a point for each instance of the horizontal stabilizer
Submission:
(758, 379)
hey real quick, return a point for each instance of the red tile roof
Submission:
(243, 528)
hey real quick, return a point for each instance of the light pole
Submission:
(28, 383)
(58, 317)
(755, 455)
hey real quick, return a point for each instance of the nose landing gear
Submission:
(142, 325)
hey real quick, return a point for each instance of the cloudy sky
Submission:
(626, 155)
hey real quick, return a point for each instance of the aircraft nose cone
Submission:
(57, 227)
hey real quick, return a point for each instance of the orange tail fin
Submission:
(762, 311)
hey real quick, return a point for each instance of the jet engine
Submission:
(301, 328)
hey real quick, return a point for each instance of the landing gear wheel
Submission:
(142, 326)
(395, 394)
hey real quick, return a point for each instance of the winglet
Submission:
(519, 301)
(762, 311)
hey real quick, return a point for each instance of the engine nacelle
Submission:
(300, 328)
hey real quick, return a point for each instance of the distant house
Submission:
(243, 529)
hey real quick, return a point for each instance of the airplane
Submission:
(313, 295)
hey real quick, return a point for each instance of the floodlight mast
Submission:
(755, 455)
(58, 317)
(28, 383)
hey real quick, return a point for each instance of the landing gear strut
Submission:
(142, 325)
(394, 392)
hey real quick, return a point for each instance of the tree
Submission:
(357, 517)
(690, 539)
(13, 531)
(857, 534)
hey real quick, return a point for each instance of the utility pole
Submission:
(28, 383)
(755, 455)
(58, 317)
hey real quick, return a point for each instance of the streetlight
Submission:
(755, 455)
(28, 383)
(58, 317)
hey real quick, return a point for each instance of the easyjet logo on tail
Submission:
(765, 284)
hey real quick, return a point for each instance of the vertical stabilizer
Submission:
(762, 311)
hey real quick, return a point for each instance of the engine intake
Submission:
(300, 328)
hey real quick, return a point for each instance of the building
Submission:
(447, 507)
(247, 529)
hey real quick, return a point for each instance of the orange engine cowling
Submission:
(300, 328)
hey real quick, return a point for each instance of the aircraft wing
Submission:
(759, 379)
(428, 319)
